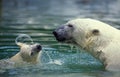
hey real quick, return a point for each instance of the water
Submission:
(38, 18)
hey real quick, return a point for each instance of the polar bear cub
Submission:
(99, 39)
(28, 53)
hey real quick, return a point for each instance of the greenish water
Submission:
(38, 18)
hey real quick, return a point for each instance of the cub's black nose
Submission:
(39, 47)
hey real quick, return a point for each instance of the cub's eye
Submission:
(70, 25)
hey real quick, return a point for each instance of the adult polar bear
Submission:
(99, 39)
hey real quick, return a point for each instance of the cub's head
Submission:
(29, 53)
(85, 33)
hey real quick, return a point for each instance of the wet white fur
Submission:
(23, 56)
(104, 46)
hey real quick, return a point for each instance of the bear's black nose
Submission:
(55, 33)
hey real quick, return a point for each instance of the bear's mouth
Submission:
(71, 41)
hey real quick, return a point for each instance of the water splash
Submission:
(71, 48)
(58, 62)
(51, 61)
(24, 38)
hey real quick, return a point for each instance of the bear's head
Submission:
(29, 53)
(85, 33)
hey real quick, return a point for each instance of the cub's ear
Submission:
(20, 44)
(95, 32)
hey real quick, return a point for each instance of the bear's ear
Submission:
(95, 31)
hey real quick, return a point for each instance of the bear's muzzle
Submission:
(59, 37)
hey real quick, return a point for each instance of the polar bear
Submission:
(101, 40)
(28, 54)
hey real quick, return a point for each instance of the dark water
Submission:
(38, 18)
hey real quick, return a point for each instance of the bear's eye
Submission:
(70, 25)
(95, 31)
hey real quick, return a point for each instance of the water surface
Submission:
(38, 18)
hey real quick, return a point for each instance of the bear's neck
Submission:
(96, 50)
(98, 54)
